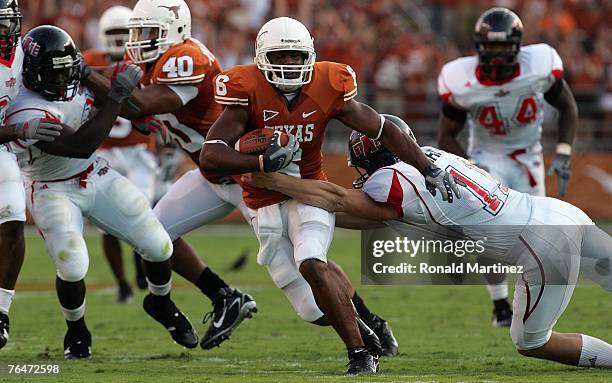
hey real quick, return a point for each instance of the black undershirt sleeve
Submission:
(554, 91)
(454, 113)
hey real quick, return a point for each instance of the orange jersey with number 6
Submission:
(122, 134)
(188, 63)
(306, 116)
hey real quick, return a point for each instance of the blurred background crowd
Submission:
(396, 47)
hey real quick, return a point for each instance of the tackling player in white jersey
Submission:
(500, 95)
(395, 193)
(12, 194)
(66, 181)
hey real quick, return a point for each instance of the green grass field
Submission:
(444, 332)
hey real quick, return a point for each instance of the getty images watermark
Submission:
(415, 248)
(468, 255)
(415, 256)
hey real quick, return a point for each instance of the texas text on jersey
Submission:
(187, 63)
(508, 114)
(305, 116)
(122, 134)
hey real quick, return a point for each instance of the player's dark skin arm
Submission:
(448, 130)
(563, 100)
(325, 195)
(83, 142)
(366, 120)
(153, 99)
(224, 160)
(7, 134)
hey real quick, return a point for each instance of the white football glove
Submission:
(42, 129)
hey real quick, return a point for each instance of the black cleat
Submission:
(361, 362)
(124, 294)
(77, 344)
(229, 310)
(163, 310)
(4, 329)
(502, 314)
(370, 339)
(387, 339)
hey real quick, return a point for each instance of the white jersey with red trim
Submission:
(484, 201)
(36, 164)
(10, 81)
(505, 115)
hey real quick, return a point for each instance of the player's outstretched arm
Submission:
(153, 99)
(347, 221)
(451, 123)
(366, 120)
(84, 141)
(326, 195)
(560, 96)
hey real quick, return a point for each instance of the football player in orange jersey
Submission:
(177, 89)
(126, 150)
(286, 90)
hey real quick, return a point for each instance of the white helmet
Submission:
(113, 29)
(285, 34)
(155, 26)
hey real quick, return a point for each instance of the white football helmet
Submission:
(113, 29)
(285, 34)
(155, 26)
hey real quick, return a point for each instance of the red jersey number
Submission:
(490, 116)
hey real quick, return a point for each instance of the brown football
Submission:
(257, 141)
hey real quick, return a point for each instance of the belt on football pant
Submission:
(82, 177)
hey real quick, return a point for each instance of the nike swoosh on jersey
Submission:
(304, 114)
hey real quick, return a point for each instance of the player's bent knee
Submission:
(527, 343)
(12, 230)
(71, 259)
(313, 270)
(157, 248)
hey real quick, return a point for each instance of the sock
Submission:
(497, 292)
(210, 283)
(77, 325)
(160, 290)
(501, 304)
(6, 297)
(72, 315)
(595, 353)
(363, 311)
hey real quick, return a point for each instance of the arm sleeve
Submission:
(232, 88)
(384, 186)
(185, 92)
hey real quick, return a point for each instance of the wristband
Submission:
(564, 148)
(382, 124)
